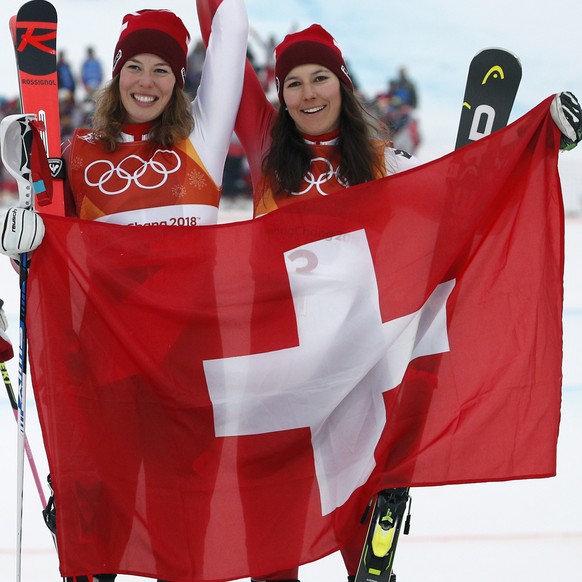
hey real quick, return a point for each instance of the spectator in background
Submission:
(403, 88)
(91, 72)
(396, 109)
(65, 78)
(67, 86)
(404, 127)
(195, 62)
(266, 72)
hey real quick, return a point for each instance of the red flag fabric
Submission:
(6, 350)
(223, 401)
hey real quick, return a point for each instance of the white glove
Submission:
(567, 115)
(21, 231)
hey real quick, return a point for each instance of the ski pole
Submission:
(21, 413)
(27, 448)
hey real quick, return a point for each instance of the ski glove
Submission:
(567, 115)
(21, 231)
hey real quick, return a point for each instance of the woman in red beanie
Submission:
(154, 157)
(151, 157)
(318, 141)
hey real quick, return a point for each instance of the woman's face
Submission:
(313, 99)
(146, 84)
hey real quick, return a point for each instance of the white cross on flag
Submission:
(327, 384)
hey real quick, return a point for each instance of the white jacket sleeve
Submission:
(218, 97)
(399, 161)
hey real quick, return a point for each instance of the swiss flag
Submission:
(221, 402)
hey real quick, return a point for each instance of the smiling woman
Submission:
(319, 141)
(151, 157)
(146, 133)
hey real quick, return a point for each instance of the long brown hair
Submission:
(289, 157)
(174, 124)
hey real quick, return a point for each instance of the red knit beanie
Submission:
(314, 45)
(158, 32)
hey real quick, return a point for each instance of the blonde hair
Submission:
(173, 125)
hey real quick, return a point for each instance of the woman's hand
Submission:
(21, 231)
(567, 115)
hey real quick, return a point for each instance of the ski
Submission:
(34, 34)
(377, 560)
(492, 83)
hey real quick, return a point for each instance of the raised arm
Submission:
(256, 114)
(218, 97)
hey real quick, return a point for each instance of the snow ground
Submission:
(508, 532)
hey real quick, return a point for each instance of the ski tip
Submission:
(12, 24)
(499, 49)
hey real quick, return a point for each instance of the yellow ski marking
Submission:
(492, 71)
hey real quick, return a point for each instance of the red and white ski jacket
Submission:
(255, 119)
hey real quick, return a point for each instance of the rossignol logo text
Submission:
(38, 82)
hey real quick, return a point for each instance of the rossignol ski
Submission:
(492, 84)
(34, 33)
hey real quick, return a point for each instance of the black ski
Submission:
(377, 560)
(492, 84)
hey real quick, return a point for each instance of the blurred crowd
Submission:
(395, 108)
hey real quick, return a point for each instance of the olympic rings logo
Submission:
(324, 177)
(126, 173)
